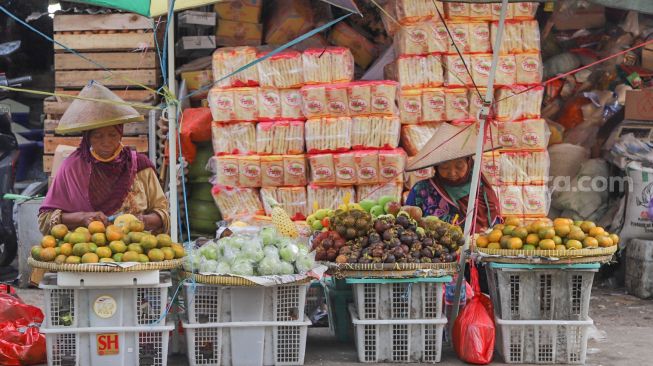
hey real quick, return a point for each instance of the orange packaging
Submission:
(294, 167)
(221, 102)
(534, 134)
(322, 169)
(359, 95)
(481, 65)
(506, 70)
(345, 169)
(410, 106)
(524, 10)
(496, 11)
(391, 165)
(460, 34)
(269, 104)
(291, 104)
(535, 200)
(457, 105)
(480, 11)
(455, 71)
(272, 172)
(227, 170)
(529, 68)
(337, 100)
(456, 10)
(433, 105)
(510, 134)
(314, 101)
(384, 95)
(367, 166)
(227, 60)
(246, 104)
(511, 200)
(479, 38)
(475, 102)
(249, 171)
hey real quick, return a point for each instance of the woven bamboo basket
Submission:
(391, 270)
(516, 256)
(88, 267)
(232, 280)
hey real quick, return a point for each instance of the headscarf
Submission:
(85, 184)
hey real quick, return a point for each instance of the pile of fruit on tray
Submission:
(398, 235)
(560, 234)
(123, 241)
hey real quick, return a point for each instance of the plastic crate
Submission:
(541, 292)
(221, 304)
(108, 346)
(406, 298)
(314, 297)
(409, 340)
(104, 307)
(246, 343)
(339, 320)
(543, 341)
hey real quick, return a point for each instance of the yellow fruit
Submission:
(604, 241)
(36, 252)
(60, 259)
(135, 248)
(482, 242)
(494, 246)
(124, 220)
(281, 220)
(163, 240)
(494, 236)
(508, 230)
(590, 242)
(586, 226)
(48, 241)
(90, 258)
(143, 258)
(515, 243)
(92, 247)
(615, 239)
(76, 238)
(168, 253)
(87, 234)
(57, 250)
(48, 254)
(103, 252)
(80, 249)
(512, 220)
(576, 234)
(117, 257)
(537, 226)
(100, 239)
(96, 227)
(499, 227)
(561, 247)
(558, 240)
(135, 236)
(155, 255)
(136, 226)
(562, 230)
(66, 238)
(520, 232)
(561, 221)
(114, 233)
(547, 244)
(597, 231)
(107, 260)
(574, 244)
(117, 246)
(130, 257)
(73, 259)
(532, 239)
(66, 249)
(148, 242)
(59, 231)
(546, 233)
(529, 247)
(504, 241)
(179, 250)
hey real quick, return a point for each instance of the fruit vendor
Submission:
(446, 194)
(103, 178)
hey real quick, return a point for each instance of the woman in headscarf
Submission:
(103, 178)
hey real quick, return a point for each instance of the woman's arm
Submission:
(50, 218)
(156, 218)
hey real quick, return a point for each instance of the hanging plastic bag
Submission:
(195, 127)
(21, 344)
(473, 330)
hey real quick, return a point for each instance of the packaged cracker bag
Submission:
(535, 134)
(360, 95)
(510, 135)
(524, 10)
(491, 167)
(457, 105)
(222, 104)
(383, 97)
(245, 104)
(511, 41)
(456, 74)
(226, 170)
(536, 200)
(235, 201)
(283, 70)
(480, 11)
(229, 59)
(410, 178)
(314, 101)
(337, 100)
(475, 102)
(530, 35)
(457, 11)
(391, 165)
(294, 167)
(233, 138)
(345, 169)
(460, 34)
(506, 70)
(410, 106)
(328, 134)
(322, 169)
(291, 104)
(511, 200)
(376, 191)
(479, 37)
(412, 11)
(249, 171)
(433, 105)
(496, 11)
(529, 68)
(481, 65)
(415, 137)
(327, 197)
(269, 104)
(330, 65)
(367, 166)
(272, 171)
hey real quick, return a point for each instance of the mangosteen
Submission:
(427, 242)
(390, 259)
(374, 237)
(412, 227)
(405, 248)
(352, 260)
(341, 230)
(332, 253)
(395, 242)
(426, 260)
(406, 238)
(398, 253)
(363, 240)
(426, 252)
(448, 258)
(327, 243)
(389, 234)
(350, 234)
(416, 247)
(403, 221)
(461, 241)
(345, 250)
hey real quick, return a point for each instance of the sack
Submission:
(21, 344)
(12, 309)
(637, 223)
(195, 127)
(473, 330)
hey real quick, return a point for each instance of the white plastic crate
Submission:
(246, 343)
(314, 297)
(409, 340)
(398, 299)
(99, 279)
(222, 304)
(108, 346)
(115, 307)
(541, 292)
(543, 341)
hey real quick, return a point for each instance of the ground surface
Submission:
(623, 334)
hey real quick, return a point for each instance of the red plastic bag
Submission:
(12, 309)
(473, 330)
(195, 127)
(21, 344)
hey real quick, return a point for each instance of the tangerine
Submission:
(96, 227)
(59, 231)
(48, 241)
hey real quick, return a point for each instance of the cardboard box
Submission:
(192, 19)
(248, 11)
(363, 49)
(188, 44)
(639, 105)
(232, 33)
(288, 19)
(573, 17)
(197, 79)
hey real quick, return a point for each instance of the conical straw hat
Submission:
(84, 115)
(450, 142)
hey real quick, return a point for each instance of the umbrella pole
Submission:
(480, 139)
(172, 130)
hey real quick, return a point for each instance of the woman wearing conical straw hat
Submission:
(102, 177)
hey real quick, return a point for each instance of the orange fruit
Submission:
(574, 244)
(77, 237)
(558, 240)
(494, 236)
(156, 255)
(49, 241)
(163, 240)
(515, 243)
(59, 231)
(562, 221)
(148, 242)
(36, 252)
(561, 247)
(508, 229)
(504, 241)
(615, 239)
(66, 249)
(136, 226)
(117, 246)
(482, 242)
(546, 233)
(90, 258)
(597, 231)
(590, 242)
(114, 233)
(168, 253)
(520, 232)
(494, 246)
(103, 252)
(562, 230)
(586, 226)
(100, 239)
(83, 230)
(604, 241)
(547, 244)
(96, 227)
(180, 253)
(499, 227)
(532, 239)
(512, 220)
(60, 259)
(48, 254)
(73, 259)
(576, 234)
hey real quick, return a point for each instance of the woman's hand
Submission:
(152, 222)
(76, 219)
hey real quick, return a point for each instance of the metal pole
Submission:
(480, 139)
(172, 129)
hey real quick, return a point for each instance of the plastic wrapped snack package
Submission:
(507, 105)
(529, 68)
(391, 165)
(233, 138)
(421, 38)
(283, 70)
(523, 10)
(495, 11)
(222, 105)
(480, 67)
(229, 59)
(456, 104)
(506, 70)
(292, 199)
(511, 40)
(531, 102)
(345, 169)
(367, 166)
(433, 105)
(281, 137)
(475, 102)
(322, 169)
(330, 65)
(411, 178)
(249, 171)
(530, 35)
(225, 169)
(375, 132)
(455, 74)
(291, 104)
(359, 94)
(383, 97)
(510, 134)
(245, 104)
(264, 137)
(328, 135)
(460, 35)
(480, 11)
(412, 11)
(327, 197)
(457, 11)
(376, 191)
(272, 173)
(536, 200)
(337, 100)
(535, 134)
(294, 170)
(525, 167)
(479, 37)
(410, 106)
(511, 201)
(415, 137)
(234, 202)
(420, 71)
(269, 104)
(314, 101)
(491, 167)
